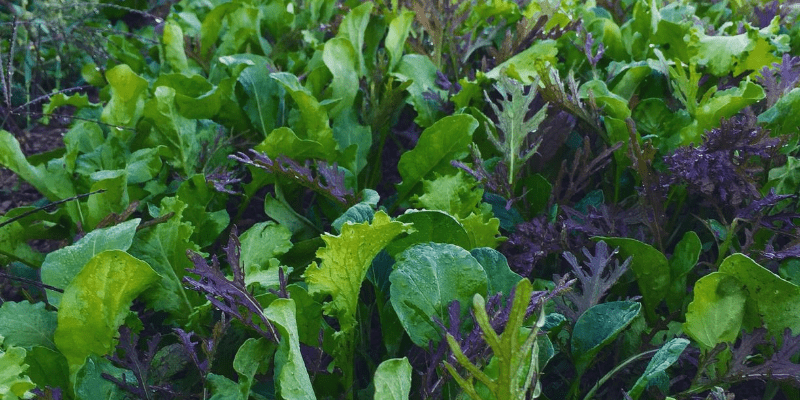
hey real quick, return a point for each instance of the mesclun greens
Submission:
(416, 184)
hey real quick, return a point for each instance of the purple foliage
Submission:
(230, 297)
(587, 49)
(764, 14)
(532, 241)
(332, 184)
(604, 220)
(221, 179)
(718, 170)
(781, 78)
(778, 367)
(596, 279)
(138, 364)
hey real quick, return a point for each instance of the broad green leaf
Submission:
(422, 72)
(96, 302)
(349, 132)
(782, 117)
(205, 209)
(89, 382)
(291, 376)
(172, 129)
(14, 243)
(341, 59)
(361, 212)
(353, 27)
(393, 380)
(263, 103)
(77, 100)
(47, 367)
(429, 226)
(27, 325)
(446, 140)
(173, 41)
(62, 265)
(195, 96)
(683, 260)
(284, 141)
(163, 247)
(128, 92)
(251, 357)
(501, 278)
(663, 359)
(526, 65)
(722, 104)
(49, 183)
(612, 104)
(345, 261)
(114, 199)
(599, 326)
(13, 383)
(223, 388)
(650, 266)
(313, 118)
(396, 37)
(426, 279)
(716, 311)
(786, 178)
(776, 300)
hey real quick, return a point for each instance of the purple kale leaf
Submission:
(721, 170)
(329, 181)
(230, 297)
(128, 357)
(595, 279)
(532, 241)
(778, 367)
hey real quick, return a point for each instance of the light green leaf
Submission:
(291, 376)
(483, 228)
(396, 37)
(340, 57)
(13, 384)
(49, 183)
(195, 96)
(716, 311)
(429, 226)
(776, 300)
(599, 326)
(650, 266)
(393, 380)
(663, 359)
(114, 199)
(27, 325)
(422, 72)
(96, 303)
(172, 129)
(223, 388)
(448, 139)
(526, 65)
(251, 357)
(782, 117)
(128, 92)
(62, 265)
(345, 261)
(14, 242)
(283, 141)
(172, 40)
(353, 27)
(259, 246)
(456, 194)
(47, 367)
(426, 279)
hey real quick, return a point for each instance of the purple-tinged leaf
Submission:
(779, 367)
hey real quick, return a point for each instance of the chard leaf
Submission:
(163, 247)
(13, 384)
(96, 303)
(715, 314)
(663, 359)
(393, 379)
(599, 326)
(62, 265)
(291, 376)
(27, 325)
(128, 92)
(345, 261)
(426, 279)
(448, 139)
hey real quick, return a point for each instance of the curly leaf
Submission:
(96, 303)
(13, 384)
(345, 261)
